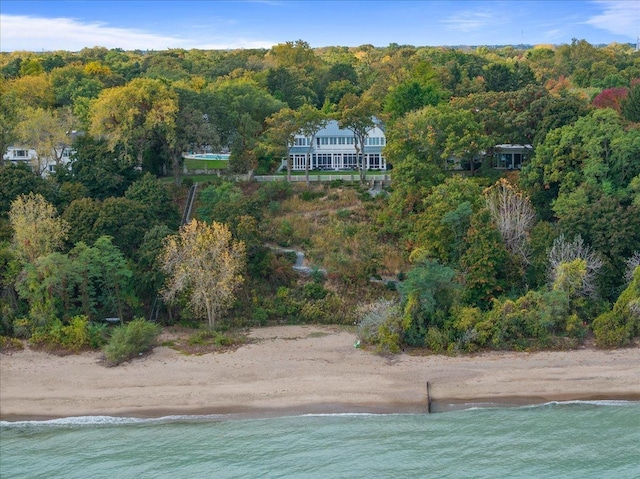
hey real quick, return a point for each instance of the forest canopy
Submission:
(469, 256)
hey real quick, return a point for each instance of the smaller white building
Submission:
(29, 156)
(334, 149)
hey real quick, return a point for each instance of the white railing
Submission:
(315, 177)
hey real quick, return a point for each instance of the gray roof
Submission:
(332, 129)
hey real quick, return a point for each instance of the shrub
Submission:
(610, 330)
(97, 335)
(130, 340)
(75, 335)
(314, 291)
(209, 337)
(436, 340)
(22, 328)
(381, 325)
(10, 344)
(619, 326)
(310, 195)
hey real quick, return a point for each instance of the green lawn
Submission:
(206, 164)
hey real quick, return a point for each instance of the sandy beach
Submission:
(304, 369)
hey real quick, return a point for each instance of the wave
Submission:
(442, 409)
(110, 420)
(475, 406)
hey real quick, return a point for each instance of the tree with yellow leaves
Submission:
(203, 263)
(37, 228)
(133, 114)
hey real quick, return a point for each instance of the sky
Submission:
(215, 24)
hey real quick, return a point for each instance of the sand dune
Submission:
(297, 369)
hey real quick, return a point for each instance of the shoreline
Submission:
(294, 370)
(438, 407)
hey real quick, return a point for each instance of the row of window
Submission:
(344, 161)
(339, 140)
(25, 153)
(335, 140)
(20, 153)
(510, 161)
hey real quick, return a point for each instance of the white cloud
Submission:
(18, 32)
(469, 21)
(553, 35)
(621, 17)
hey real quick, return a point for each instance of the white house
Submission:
(334, 149)
(41, 166)
(19, 155)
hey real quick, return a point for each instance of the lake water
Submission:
(555, 440)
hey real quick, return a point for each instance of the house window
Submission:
(504, 160)
(300, 142)
(323, 161)
(20, 153)
(349, 160)
(351, 140)
(517, 161)
(324, 140)
(333, 140)
(342, 140)
(299, 162)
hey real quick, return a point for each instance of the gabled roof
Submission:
(332, 129)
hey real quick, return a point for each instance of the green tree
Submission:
(631, 104)
(81, 215)
(410, 96)
(437, 134)
(222, 203)
(19, 180)
(48, 285)
(105, 279)
(621, 325)
(241, 109)
(440, 229)
(103, 173)
(356, 114)
(290, 85)
(124, 220)
(428, 293)
(148, 277)
(279, 136)
(484, 262)
(155, 198)
(311, 121)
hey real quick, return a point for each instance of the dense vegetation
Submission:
(461, 259)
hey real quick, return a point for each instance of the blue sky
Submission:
(216, 24)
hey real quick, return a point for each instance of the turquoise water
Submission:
(210, 156)
(556, 440)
